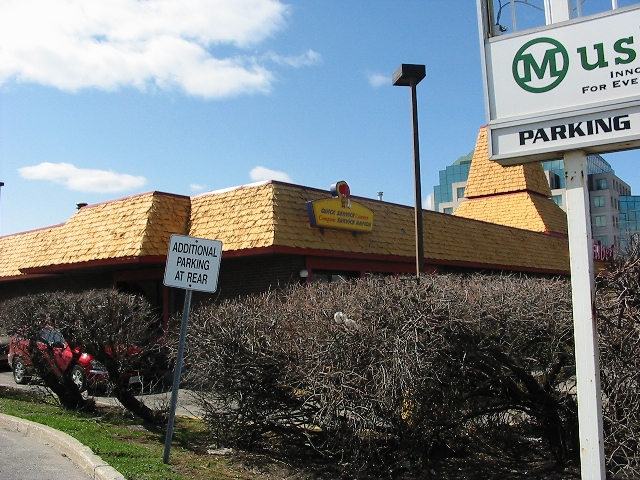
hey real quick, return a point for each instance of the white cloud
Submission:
(196, 187)
(74, 44)
(378, 80)
(82, 179)
(308, 58)
(260, 173)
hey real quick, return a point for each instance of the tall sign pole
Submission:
(553, 90)
(192, 264)
(584, 320)
(585, 333)
(176, 375)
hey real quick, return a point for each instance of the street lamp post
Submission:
(409, 75)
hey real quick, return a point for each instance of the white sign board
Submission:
(193, 263)
(566, 86)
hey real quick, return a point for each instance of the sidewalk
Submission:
(187, 406)
(79, 454)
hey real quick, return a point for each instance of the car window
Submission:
(45, 334)
(56, 336)
(50, 335)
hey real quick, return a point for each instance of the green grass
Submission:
(124, 442)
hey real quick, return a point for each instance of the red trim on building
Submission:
(22, 277)
(311, 252)
(368, 262)
(390, 259)
(109, 262)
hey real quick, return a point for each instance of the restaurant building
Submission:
(276, 233)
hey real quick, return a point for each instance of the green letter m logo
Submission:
(549, 74)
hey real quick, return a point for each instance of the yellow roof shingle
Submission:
(491, 178)
(516, 196)
(131, 227)
(273, 216)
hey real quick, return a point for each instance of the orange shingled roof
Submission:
(272, 216)
(516, 196)
(136, 226)
(275, 215)
(491, 178)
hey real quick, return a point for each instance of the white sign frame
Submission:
(599, 41)
(589, 393)
(193, 263)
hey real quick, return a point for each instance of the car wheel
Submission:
(20, 371)
(77, 377)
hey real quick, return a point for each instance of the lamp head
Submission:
(403, 75)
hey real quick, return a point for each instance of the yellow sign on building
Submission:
(330, 213)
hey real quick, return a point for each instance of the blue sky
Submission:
(101, 100)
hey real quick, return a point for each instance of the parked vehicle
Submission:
(87, 371)
(4, 347)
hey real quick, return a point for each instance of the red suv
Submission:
(87, 370)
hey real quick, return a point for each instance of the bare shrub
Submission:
(27, 316)
(406, 372)
(110, 326)
(618, 307)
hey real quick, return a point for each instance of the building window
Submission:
(460, 192)
(598, 201)
(602, 240)
(601, 221)
(601, 184)
(557, 199)
(447, 210)
(554, 181)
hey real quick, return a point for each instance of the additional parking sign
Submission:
(193, 263)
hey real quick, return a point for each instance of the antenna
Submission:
(510, 16)
(530, 11)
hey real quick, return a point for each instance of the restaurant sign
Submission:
(571, 85)
(340, 212)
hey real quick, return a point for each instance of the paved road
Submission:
(28, 458)
(187, 406)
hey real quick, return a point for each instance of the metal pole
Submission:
(418, 188)
(176, 375)
(592, 463)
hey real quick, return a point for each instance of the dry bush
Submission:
(27, 316)
(618, 307)
(410, 372)
(110, 326)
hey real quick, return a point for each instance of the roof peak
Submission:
(487, 177)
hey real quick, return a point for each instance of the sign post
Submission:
(584, 322)
(192, 264)
(566, 89)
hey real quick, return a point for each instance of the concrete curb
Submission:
(80, 454)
